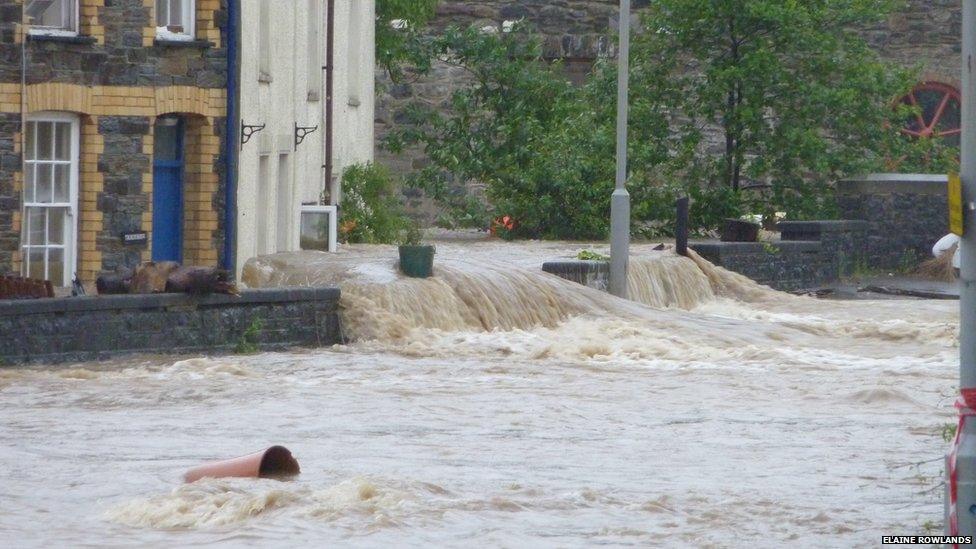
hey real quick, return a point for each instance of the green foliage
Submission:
(590, 255)
(796, 96)
(399, 35)
(522, 129)
(949, 431)
(248, 342)
(371, 211)
(411, 235)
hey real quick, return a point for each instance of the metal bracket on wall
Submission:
(301, 132)
(247, 131)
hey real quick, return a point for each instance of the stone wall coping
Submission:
(717, 247)
(163, 301)
(824, 226)
(887, 183)
(575, 263)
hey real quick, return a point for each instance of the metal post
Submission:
(966, 450)
(681, 227)
(620, 200)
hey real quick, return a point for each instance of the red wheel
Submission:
(939, 112)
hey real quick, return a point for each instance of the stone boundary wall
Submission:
(593, 274)
(780, 265)
(79, 329)
(906, 215)
(809, 255)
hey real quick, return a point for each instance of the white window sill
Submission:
(165, 35)
(51, 32)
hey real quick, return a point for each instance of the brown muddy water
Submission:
(498, 406)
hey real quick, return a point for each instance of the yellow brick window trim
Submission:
(206, 21)
(91, 183)
(201, 183)
(115, 100)
(88, 20)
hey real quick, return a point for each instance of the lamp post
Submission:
(962, 459)
(620, 200)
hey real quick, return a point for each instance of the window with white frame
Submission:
(52, 16)
(354, 52)
(49, 224)
(175, 19)
(314, 51)
(264, 41)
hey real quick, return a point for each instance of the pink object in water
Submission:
(275, 462)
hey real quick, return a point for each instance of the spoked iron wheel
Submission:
(939, 112)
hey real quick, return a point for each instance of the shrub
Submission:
(371, 211)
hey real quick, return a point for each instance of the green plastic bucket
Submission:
(417, 261)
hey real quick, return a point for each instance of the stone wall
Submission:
(592, 274)
(843, 242)
(9, 196)
(905, 215)
(926, 34)
(809, 255)
(786, 266)
(94, 328)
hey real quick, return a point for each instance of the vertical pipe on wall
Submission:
(232, 137)
(329, 107)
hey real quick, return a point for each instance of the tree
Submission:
(795, 95)
(523, 130)
(399, 34)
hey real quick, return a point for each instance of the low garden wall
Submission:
(906, 215)
(91, 328)
(809, 255)
(594, 274)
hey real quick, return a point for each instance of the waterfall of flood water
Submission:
(379, 304)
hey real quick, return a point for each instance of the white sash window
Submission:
(175, 19)
(49, 225)
(52, 16)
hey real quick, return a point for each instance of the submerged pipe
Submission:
(275, 462)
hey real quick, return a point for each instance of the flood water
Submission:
(498, 406)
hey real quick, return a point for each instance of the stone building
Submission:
(112, 116)
(283, 79)
(925, 34)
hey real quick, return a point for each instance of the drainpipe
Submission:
(231, 147)
(329, 81)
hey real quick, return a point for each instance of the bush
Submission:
(371, 211)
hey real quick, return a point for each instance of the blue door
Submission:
(167, 232)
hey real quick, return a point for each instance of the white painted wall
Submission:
(294, 91)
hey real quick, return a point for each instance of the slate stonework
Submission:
(905, 215)
(123, 60)
(64, 329)
(123, 201)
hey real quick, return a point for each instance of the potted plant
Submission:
(416, 258)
